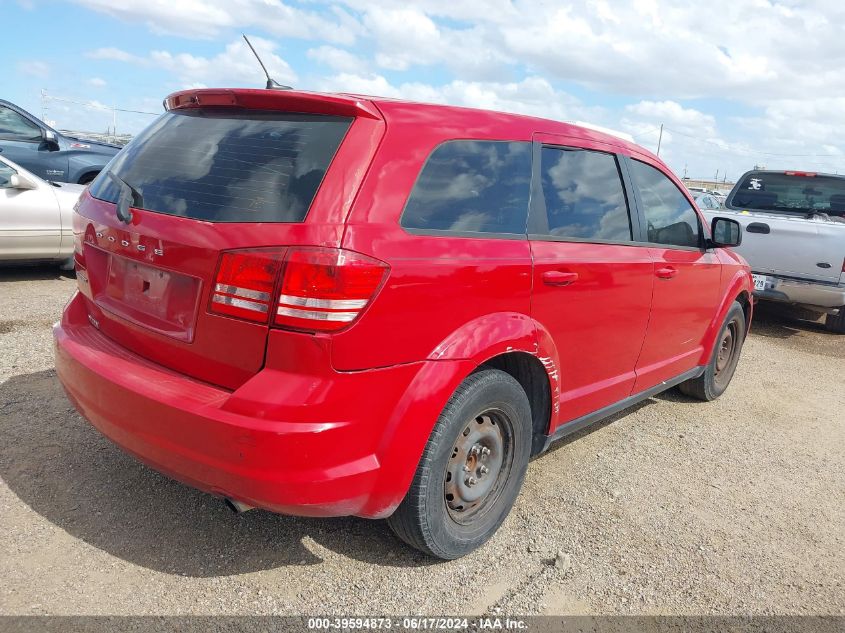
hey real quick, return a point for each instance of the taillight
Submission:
(322, 289)
(325, 289)
(245, 283)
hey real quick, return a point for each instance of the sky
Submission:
(735, 83)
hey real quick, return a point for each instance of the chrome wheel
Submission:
(479, 465)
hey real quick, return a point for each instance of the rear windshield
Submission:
(779, 192)
(227, 166)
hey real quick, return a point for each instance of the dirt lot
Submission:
(732, 507)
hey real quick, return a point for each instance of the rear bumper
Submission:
(312, 445)
(806, 293)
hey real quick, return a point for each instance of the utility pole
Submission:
(659, 139)
(685, 171)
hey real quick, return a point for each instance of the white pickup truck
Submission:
(793, 238)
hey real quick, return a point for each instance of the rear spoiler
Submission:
(286, 101)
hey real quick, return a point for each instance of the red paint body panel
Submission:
(334, 423)
(681, 314)
(598, 322)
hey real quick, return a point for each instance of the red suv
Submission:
(338, 305)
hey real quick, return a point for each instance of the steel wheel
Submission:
(726, 355)
(479, 465)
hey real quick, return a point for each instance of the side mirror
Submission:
(49, 138)
(19, 181)
(725, 232)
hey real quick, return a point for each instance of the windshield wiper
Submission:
(128, 195)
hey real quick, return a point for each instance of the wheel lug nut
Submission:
(470, 481)
(466, 468)
(484, 470)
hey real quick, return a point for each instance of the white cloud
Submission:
(111, 53)
(337, 59)
(235, 66)
(97, 82)
(209, 18)
(673, 114)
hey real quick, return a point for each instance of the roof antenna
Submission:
(272, 84)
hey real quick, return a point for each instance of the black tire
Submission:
(87, 178)
(719, 371)
(488, 404)
(836, 322)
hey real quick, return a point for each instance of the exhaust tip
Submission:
(236, 506)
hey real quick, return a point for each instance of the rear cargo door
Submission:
(218, 194)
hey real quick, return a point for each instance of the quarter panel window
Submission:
(14, 126)
(472, 186)
(584, 195)
(6, 174)
(670, 219)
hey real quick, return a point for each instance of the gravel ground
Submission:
(674, 507)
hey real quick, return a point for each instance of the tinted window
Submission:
(227, 166)
(584, 195)
(670, 219)
(782, 192)
(472, 186)
(6, 174)
(13, 125)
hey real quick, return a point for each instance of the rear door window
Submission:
(584, 196)
(472, 187)
(670, 218)
(227, 166)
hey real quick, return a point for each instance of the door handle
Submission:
(666, 273)
(759, 227)
(559, 278)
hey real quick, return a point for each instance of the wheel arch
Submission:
(86, 177)
(738, 289)
(531, 374)
(511, 342)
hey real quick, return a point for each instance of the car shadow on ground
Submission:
(64, 470)
(781, 321)
(34, 272)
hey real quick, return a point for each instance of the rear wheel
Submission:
(836, 322)
(471, 469)
(87, 178)
(719, 371)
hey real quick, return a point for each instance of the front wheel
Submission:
(836, 322)
(719, 371)
(471, 469)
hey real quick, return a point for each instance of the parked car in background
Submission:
(794, 238)
(47, 153)
(362, 306)
(36, 216)
(719, 197)
(706, 201)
